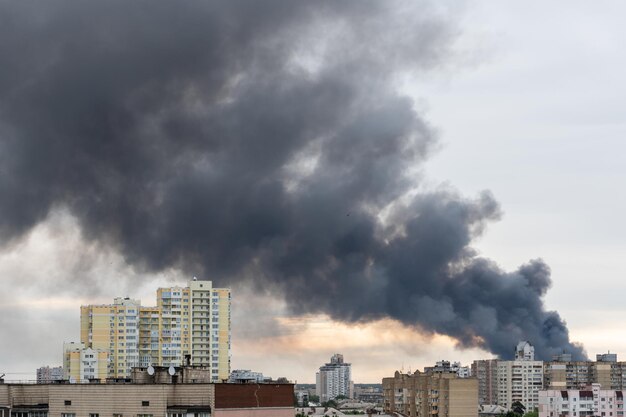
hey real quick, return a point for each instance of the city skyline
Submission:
(506, 140)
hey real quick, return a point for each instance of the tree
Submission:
(329, 404)
(314, 399)
(532, 414)
(518, 408)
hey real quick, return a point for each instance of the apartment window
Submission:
(145, 403)
(68, 402)
(94, 415)
(68, 414)
(144, 415)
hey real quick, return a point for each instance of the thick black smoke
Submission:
(260, 141)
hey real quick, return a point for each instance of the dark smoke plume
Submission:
(262, 141)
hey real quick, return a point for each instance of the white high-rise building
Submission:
(334, 379)
(524, 351)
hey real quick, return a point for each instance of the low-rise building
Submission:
(590, 401)
(147, 400)
(430, 394)
(520, 381)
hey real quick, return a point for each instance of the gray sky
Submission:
(539, 122)
(527, 106)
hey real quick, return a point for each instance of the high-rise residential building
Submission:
(591, 400)
(606, 371)
(81, 363)
(334, 379)
(486, 372)
(190, 325)
(47, 374)
(520, 380)
(430, 394)
(113, 328)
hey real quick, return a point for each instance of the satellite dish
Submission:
(171, 370)
(150, 370)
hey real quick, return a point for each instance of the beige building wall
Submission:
(426, 394)
(463, 397)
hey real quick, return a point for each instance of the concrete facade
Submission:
(520, 381)
(486, 373)
(430, 394)
(142, 400)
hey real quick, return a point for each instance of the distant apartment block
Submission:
(189, 325)
(589, 401)
(334, 379)
(430, 394)
(47, 374)
(486, 373)
(245, 376)
(447, 366)
(82, 364)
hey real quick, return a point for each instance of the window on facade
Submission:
(68, 402)
(68, 414)
(145, 403)
(94, 415)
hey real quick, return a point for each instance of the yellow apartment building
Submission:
(82, 364)
(189, 325)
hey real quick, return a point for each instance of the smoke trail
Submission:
(261, 141)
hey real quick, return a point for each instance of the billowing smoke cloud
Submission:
(261, 142)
